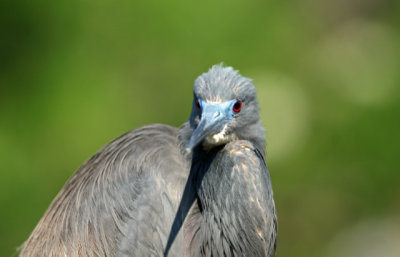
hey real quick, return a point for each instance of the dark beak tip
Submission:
(189, 147)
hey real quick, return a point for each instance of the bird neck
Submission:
(255, 133)
(218, 221)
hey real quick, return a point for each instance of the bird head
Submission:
(224, 109)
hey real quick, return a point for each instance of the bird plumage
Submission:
(132, 184)
(146, 194)
(240, 221)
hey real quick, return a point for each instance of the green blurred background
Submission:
(76, 74)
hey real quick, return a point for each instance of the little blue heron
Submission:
(201, 190)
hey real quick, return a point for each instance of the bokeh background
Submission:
(76, 74)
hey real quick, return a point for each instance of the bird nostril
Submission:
(217, 114)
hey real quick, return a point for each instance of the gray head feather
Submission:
(221, 84)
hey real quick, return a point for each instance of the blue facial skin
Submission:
(214, 117)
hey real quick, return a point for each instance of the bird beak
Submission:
(213, 120)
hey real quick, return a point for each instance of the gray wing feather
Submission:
(130, 187)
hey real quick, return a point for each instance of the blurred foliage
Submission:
(76, 74)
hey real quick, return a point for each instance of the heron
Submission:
(199, 190)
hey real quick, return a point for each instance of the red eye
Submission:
(198, 107)
(237, 106)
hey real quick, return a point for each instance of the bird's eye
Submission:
(198, 106)
(237, 106)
